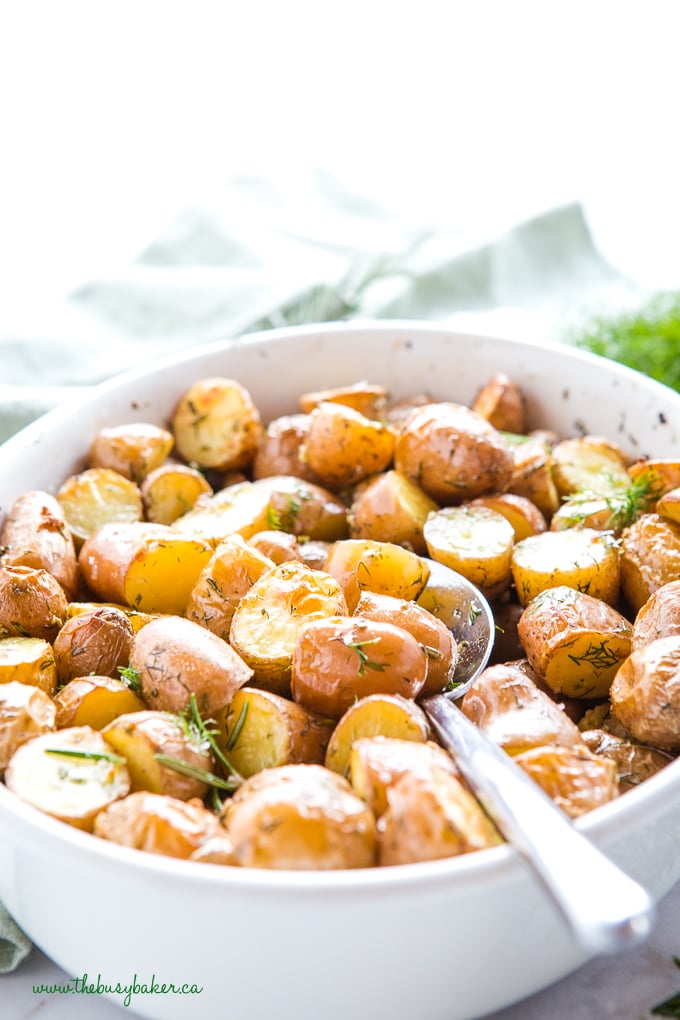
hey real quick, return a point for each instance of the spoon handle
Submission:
(605, 909)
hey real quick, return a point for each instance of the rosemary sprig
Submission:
(66, 752)
(130, 677)
(240, 723)
(202, 731)
(195, 772)
(364, 661)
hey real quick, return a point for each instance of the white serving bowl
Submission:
(447, 940)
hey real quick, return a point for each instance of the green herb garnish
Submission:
(240, 723)
(201, 732)
(130, 677)
(65, 752)
(364, 661)
(195, 772)
(625, 503)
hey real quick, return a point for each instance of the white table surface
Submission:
(625, 987)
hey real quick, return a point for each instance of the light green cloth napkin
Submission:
(262, 257)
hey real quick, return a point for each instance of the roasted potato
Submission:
(501, 402)
(645, 694)
(434, 637)
(132, 450)
(391, 508)
(175, 658)
(216, 425)
(364, 565)
(650, 557)
(142, 736)
(279, 449)
(171, 490)
(363, 397)
(35, 534)
(634, 762)
(158, 824)
(299, 817)
(431, 816)
(590, 463)
(659, 616)
(524, 516)
(149, 567)
(28, 661)
(97, 642)
(580, 558)
(343, 446)
(658, 476)
(278, 546)
(94, 701)
(71, 774)
(387, 715)
(575, 642)
(574, 778)
(32, 603)
(25, 712)
(261, 730)
(453, 453)
(340, 659)
(475, 541)
(506, 705)
(96, 497)
(532, 475)
(377, 763)
(230, 572)
(265, 625)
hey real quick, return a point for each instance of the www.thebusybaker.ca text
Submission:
(85, 986)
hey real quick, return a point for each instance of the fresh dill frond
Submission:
(625, 503)
(131, 678)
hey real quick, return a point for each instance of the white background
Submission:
(115, 116)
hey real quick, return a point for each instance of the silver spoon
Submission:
(605, 909)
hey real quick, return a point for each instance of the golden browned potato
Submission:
(279, 449)
(524, 516)
(149, 567)
(265, 625)
(94, 701)
(433, 636)
(300, 817)
(71, 774)
(581, 558)
(634, 762)
(137, 619)
(261, 730)
(376, 763)
(216, 425)
(28, 661)
(171, 490)
(453, 453)
(278, 546)
(659, 616)
(650, 557)
(96, 497)
(387, 715)
(514, 713)
(98, 642)
(657, 475)
(141, 736)
(574, 778)
(25, 712)
(35, 534)
(585, 511)
(645, 694)
(230, 572)
(575, 642)
(158, 824)
(475, 541)
(391, 508)
(176, 658)
(532, 475)
(588, 462)
(502, 403)
(361, 564)
(32, 603)
(431, 816)
(338, 660)
(343, 446)
(363, 397)
(132, 450)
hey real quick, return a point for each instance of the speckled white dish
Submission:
(449, 940)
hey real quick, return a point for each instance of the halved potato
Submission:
(98, 641)
(361, 564)
(32, 603)
(96, 497)
(668, 505)
(132, 450)
(659, 475)
(343, 446)
(581, 558)
(267, 620)
(532, 475)
(28, 661)
(524, 516)
(170, 490)
(25, 712)
(502, 403)
(158, 824)
(386, 715)
(35, 534)
(230, 572)
(217, 425)
(94, 701)
(475, 541)
(574, 778)
(261, 730)
(391, 508)
(576, 643)
(71, 774)
(299, 817)
(363, 397)
(376, 763)
(588, 462)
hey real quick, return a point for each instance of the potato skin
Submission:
(391, 508)
(574, 778)
(340, 659)
(216, 425)
(377, 763)
(32, 603)
(300, 817)
(94, 701)
(30, 661)
(176, 658)
(231, 571)
(25, 712)
(132, 450)
(453, 453)
(388, 715)
(342, 446)
(158, 824)
(279, 450)
(502, 403)
(650, 557)
(634, 762)
(659, 616)
(98, 641)
(645, 694)
(35, 534)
